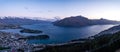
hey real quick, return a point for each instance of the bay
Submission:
(61, 34)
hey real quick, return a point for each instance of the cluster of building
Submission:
(15, 44)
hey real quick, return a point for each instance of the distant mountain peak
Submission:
(102, 19)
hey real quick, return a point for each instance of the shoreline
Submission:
(35, 47)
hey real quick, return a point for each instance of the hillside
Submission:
(111, 30)
(78, 21)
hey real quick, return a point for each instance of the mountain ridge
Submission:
(20, 21)
(78, 21)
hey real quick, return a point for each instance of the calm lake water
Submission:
(61, 34)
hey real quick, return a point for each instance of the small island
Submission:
(30, 31)
(38, 37)
(41, 37)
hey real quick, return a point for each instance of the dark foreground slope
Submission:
(78, 21)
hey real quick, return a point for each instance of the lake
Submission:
(61, 34)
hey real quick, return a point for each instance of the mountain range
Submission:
(20, 21)
(78, 21)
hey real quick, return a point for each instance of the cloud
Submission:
(49, 11)
(36, 11)
(26, 8)
(32, 11)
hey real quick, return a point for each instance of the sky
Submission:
(93, 9)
